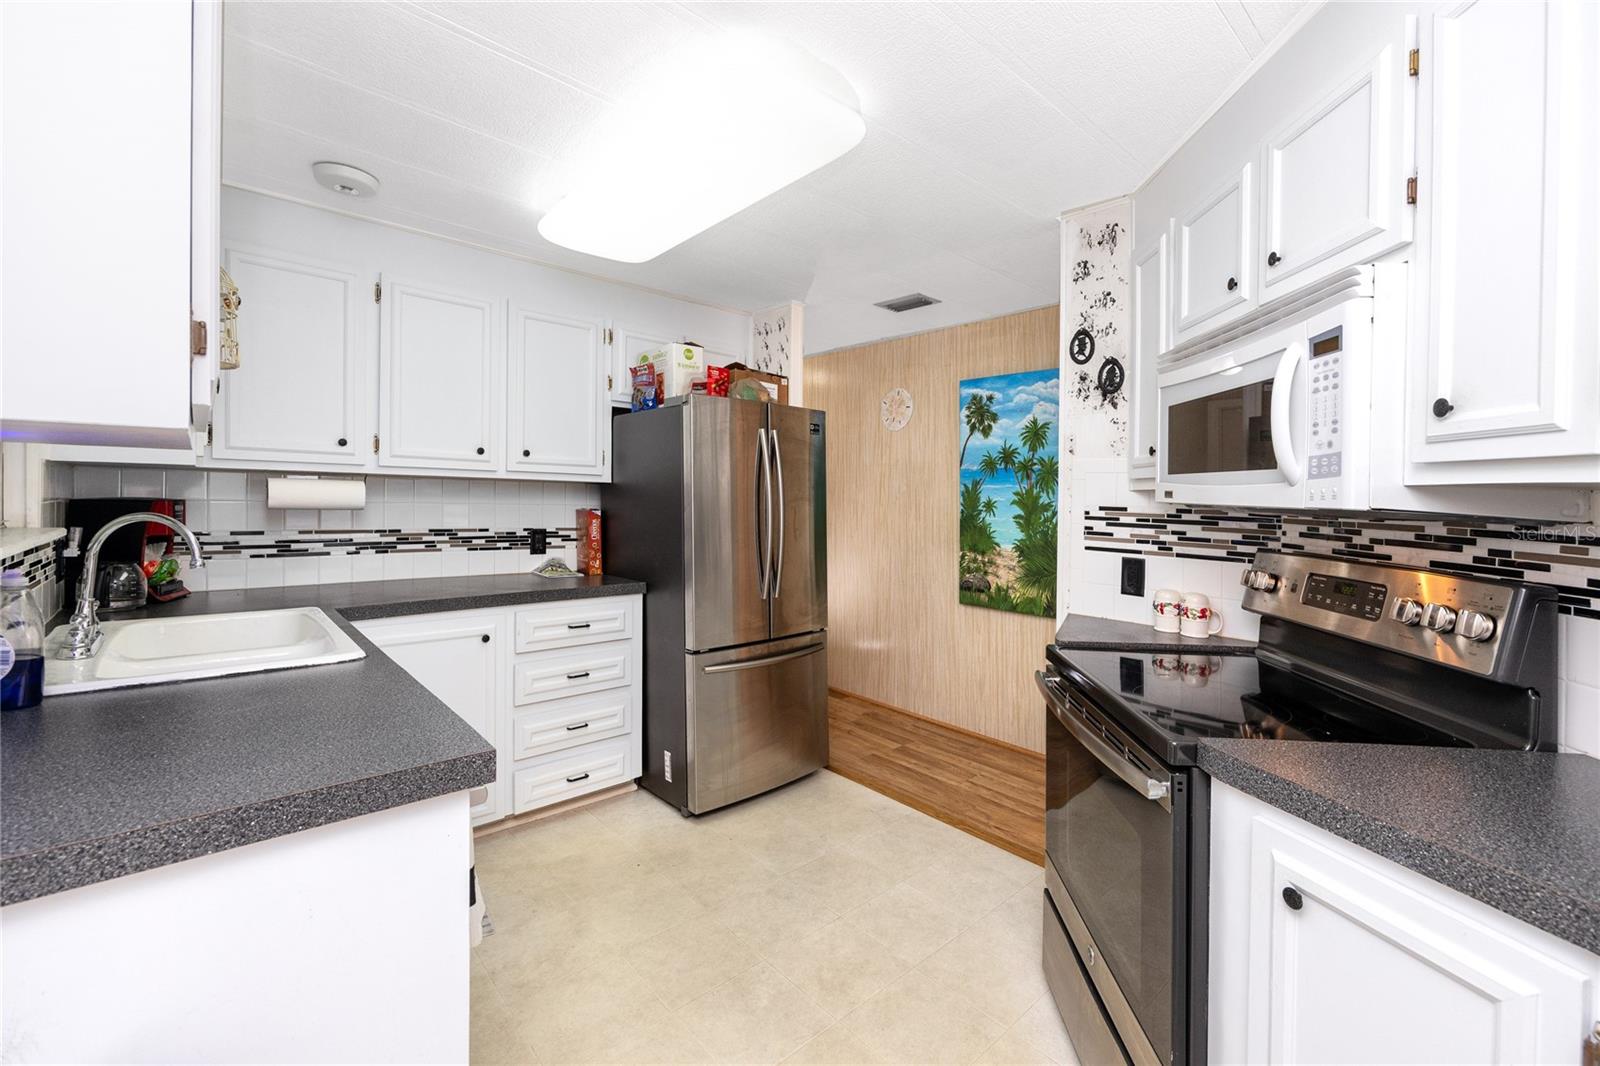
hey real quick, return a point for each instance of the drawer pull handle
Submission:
(574, 677)
(578, 625)
(580, 725)
(575, 780)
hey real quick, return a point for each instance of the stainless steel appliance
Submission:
(1349, 652)
(720, 507)
(1274, 411)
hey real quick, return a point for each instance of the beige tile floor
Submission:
(822, 923)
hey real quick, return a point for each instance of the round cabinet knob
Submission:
(1152, 449)
(1233, 283)
(1406, 612)
(1474, 625)
(486, 638)
(1293, 898)
(343, 442)
(480, 451)
(1442, 407)
(526, 453)
(1274, 259)
(1438, 617)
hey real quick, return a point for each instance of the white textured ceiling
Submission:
(984, 121)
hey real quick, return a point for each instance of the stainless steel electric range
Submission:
(1349, 652)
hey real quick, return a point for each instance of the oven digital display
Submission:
(1342, 595)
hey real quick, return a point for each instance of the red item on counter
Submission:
(589, 541)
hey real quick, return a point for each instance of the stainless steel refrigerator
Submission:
(720, 507)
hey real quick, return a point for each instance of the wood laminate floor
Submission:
(988, 789)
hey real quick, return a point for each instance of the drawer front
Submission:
(566, 625)
(569, 774)
(555, 674)
(558, 724)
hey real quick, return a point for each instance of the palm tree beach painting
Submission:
(1010, 463)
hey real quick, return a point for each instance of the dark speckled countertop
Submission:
(1109, 634)
(102, 784)
(1517, 830)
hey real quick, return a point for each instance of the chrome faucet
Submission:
(82, 638)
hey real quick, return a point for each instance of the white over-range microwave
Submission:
(1274, 413)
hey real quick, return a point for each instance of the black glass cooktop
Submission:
(1170, 700)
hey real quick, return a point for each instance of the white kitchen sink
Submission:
(151, 651)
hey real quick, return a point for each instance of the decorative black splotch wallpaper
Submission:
(1095, 379)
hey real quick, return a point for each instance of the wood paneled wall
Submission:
(896, 631)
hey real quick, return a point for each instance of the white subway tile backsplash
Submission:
(455, 490)
(454, 562)
(299, 520)
(188, 484)
(302, 571)
(428, 490)
(480, 563)
(400, 567)
(263, 573)
(397, 488)
(480, 514)
(366, 568)
(506, 492)
(255, 516)
(196, 515)
(339, 518)
(228, 485)
(226, 515)
(431, 564)
(96, 481)
(429, 515)
(454, 515)
(143, 481)
(1580, 718)
(225, 573)
(255, 487)
(1580, 650)
(480, 491)
(397, 514)
(335, 569)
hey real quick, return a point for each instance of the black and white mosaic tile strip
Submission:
(40, 564)
(1567, 557)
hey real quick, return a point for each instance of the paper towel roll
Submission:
(316, 493)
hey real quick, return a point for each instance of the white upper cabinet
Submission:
(1332, 191)
(300, 391)
(1214, 258)
(98, 236)
(439, 369)
(1505, 307)
(1149, 340)
(628, 343)
(557, 411)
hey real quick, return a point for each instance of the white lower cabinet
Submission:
(1322, 951)
(557, 737)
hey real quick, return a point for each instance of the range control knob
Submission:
(1475, 625)
(1439, 618)
(1260, 580)
(1406, 612)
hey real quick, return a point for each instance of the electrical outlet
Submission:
(538, 542)
(1133, 577)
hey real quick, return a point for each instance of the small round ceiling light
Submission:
(345, 180)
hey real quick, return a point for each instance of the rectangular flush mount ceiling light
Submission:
(706, 135)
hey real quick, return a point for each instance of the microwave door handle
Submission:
(1143, 784)
(1289, 467)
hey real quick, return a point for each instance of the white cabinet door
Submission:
(558, 414)
(1508, 364)
(300, 394)
(457, 658)
(627, 344)
(97, 222)
(1214, 259)
(440, 367)
(1332, 191)
(1149, 340)
(1324, 952)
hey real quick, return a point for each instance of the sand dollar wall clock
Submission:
(895, 409)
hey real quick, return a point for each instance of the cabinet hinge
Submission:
(374, 444)
(197, 337)
(377, 292)
(608, 335)
(1414, 63)
(208, 434)
(1411, 189)
(609, 386)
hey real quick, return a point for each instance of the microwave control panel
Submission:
(1327, 404)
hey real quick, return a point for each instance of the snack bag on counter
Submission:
(717, 380)
(589, 541)
(646, 386)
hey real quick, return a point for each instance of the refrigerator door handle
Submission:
(783, 513)
(763, 511)
(754, 664)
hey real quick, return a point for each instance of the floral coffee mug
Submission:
(1168, 608)
(1199, 619)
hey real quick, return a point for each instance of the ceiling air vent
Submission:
(907, 303)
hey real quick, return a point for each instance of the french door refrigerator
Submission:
(720, 506)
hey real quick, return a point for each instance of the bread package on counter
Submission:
(589, 541)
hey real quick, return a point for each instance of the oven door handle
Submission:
(1131, 775)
